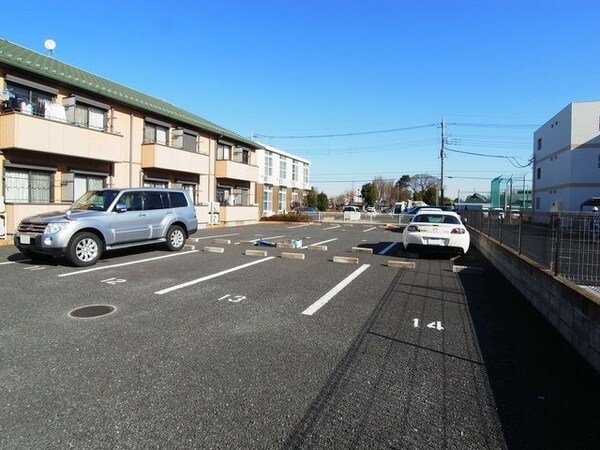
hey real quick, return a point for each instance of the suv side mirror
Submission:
(121, 207)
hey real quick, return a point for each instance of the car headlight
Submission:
(55, 227)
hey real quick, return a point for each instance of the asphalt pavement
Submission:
(217, 350)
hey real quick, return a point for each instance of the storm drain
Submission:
(88, 312)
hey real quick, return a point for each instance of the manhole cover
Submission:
(86, 312)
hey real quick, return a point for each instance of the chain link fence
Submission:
(568, 243)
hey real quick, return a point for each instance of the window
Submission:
(190, 142)
(294, 171)
(83, 183)
(180, 137)
(241, 155)
(157, 200)
(223, 151)
(155, 134)
(282, 168)
(268, 164)
(28, 186)
(240, 196)
(281, 200)
(90, 117)
(305, 174)
(178, 200)
(222, 194)
(155, 183)
(537, 203)
(539, 143)
(191, 190)
(295, 203)
(27, 99)
(539, 173)
(268, 198)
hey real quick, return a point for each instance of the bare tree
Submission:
(422, 182)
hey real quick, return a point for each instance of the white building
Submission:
(283, 180)
(566, 169)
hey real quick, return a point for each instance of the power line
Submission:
(358, 133)
(511, 159)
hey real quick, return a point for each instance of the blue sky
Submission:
(278, 68)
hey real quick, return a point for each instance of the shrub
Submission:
(289, 217)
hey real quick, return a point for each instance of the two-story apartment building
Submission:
(566, 169)
(283, 180)
(64, 130)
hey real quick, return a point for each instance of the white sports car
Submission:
(436, 229)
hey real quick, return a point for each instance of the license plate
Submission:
(436, 242)
(25, 239)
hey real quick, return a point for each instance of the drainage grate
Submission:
(87, 312)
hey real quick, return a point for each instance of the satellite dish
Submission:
(50, 45)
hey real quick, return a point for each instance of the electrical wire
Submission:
(358, 133)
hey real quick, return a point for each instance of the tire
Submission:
(175, 238)
(84, 249)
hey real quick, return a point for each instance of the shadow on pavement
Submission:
(546, 394)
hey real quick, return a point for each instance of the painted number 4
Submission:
(434, 325)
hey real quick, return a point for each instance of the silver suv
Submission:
(110, 219)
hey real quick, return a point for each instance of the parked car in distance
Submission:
(310, 211)
(436, 230)
(371, 211)
(109, 219)
(497, 213)
(351, 212)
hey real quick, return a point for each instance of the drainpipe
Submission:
(130, 149)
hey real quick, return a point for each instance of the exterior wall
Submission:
(568, 159)
(118, 155)
(279, 183)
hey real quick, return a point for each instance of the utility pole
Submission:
(442, 156)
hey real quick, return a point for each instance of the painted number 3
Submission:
(233, 298)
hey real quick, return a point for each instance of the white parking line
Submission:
(332, 228)
(318, 243)
(332, 293)
(214, 275)
(369, 229)
(304, 225)
(387, 249)
(127, 263)
(215, 236)
(15, 262)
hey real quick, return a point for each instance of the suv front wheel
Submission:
(84, 249)
(175, 238)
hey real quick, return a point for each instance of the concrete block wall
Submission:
(572, 310)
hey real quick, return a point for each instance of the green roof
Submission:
(45, 66)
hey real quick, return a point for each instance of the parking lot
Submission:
(346, 342)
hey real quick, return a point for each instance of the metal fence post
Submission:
(501, 226)
(520, 235)
(557, 228)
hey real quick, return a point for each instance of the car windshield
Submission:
(436, 218)
(95, 200)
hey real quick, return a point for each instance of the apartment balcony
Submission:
(29, 132)
(236, 171)
(171, 158)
